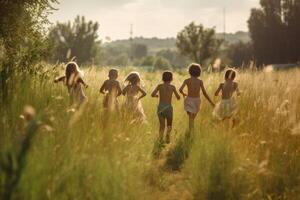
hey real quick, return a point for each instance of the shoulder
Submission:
(173, 86)
(159, 85)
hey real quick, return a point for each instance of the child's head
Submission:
(133, 78)
(167, 76)
(230, 74)
(72, 72)
(113, 74)
(195, 70)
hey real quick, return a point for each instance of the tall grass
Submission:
(89, 154)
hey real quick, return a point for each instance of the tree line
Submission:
(24, 41)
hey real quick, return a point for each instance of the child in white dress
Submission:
(131, 91)
(74, 82)
(227, 107)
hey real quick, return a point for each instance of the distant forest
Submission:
(157, 44)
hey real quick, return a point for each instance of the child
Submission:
(132, 90)
(73, 81)
(192, 98)
(111, 89)
(165, 109)
(227, 107)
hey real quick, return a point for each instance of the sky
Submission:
(155, 18)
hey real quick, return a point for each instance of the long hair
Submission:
(133, 78)
(72, 73)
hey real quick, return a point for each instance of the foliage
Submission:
(162, 64)
(240, 54)
(148, 61)
(175, 59)
(274, 30)
(198, 43)
(78, 40)
(139, 51)
(22, 36)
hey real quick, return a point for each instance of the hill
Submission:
(155, 44)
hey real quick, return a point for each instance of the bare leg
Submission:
(161, 128)
(191, 121)
(169, 129)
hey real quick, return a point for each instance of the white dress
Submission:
(76, 93)
(134, 106)
(226, 108)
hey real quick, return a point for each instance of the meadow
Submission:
(90, 154)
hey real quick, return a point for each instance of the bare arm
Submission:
(82, 82)
(181, 89)
(58, 79)
(103, 88)
(218, 90)
(206, 95)
(143, 93)
(154, 93)
(124, 91)
(238, 93)
(119, 90)
(176, 93)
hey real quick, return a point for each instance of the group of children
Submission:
(111, 88)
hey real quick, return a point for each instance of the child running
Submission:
(192, 98)
(73, 80)
(131, 91)
(165, 92)
(227, 107)
(111, 89)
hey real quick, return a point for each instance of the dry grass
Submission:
(75, 156)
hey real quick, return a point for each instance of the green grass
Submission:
(77, 156)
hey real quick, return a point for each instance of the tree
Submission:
(22, 36)
(198, 43)
(139, 51)
(162, 64)
(148, 61)
(176, 60)
(240, 53)
(78, 39)
(275, 29)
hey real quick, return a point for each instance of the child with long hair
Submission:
(227, 107)
(74, 82)
(165, 92)
(192, 98)
(111, 89)
(132, 91)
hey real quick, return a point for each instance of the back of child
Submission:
(192, 99)
(73, 80)
(227, 107)
(165, 92)
(111, 89)
(132, 102)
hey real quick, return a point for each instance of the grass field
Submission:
(73, 155)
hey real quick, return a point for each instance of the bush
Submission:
(148, 61)
(162, 64)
